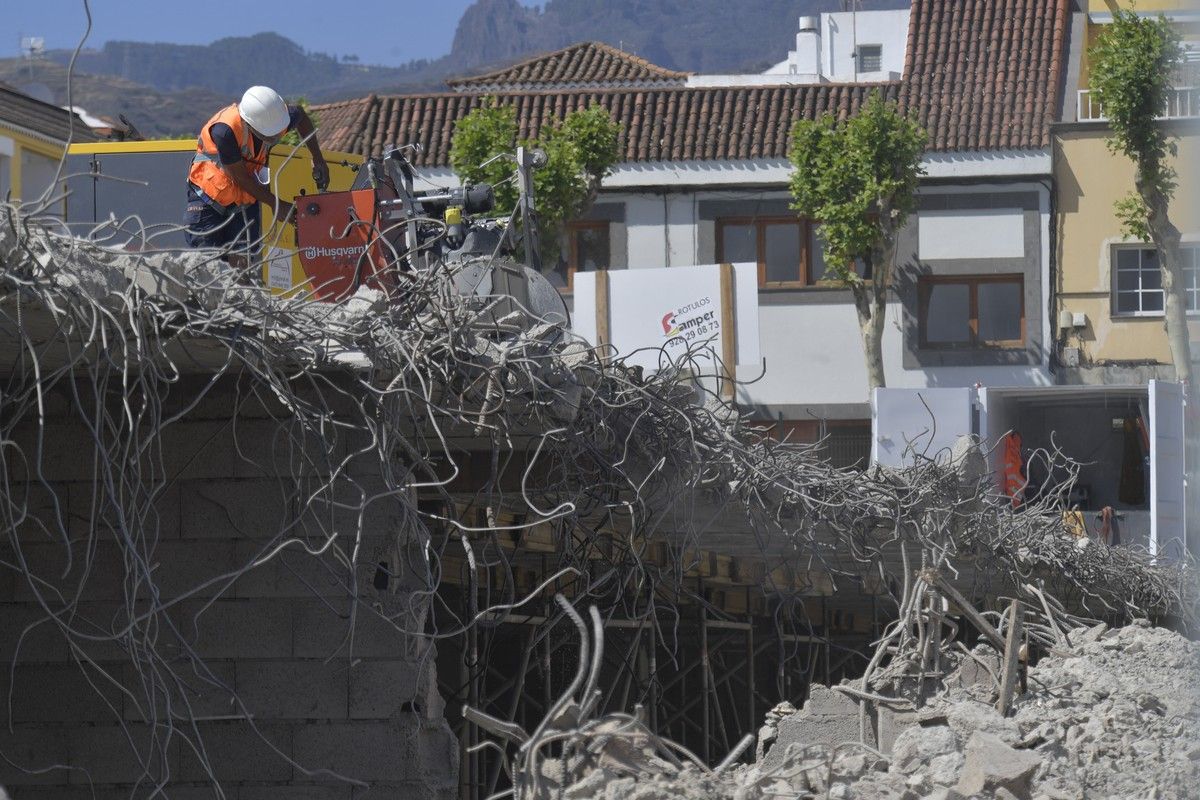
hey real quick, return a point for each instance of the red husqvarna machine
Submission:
(381, 229)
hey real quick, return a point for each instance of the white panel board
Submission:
(583, 307)
(668, 310)
(907, 423)
(971, 233)
(1168, 482)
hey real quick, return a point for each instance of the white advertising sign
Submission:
(657, 314)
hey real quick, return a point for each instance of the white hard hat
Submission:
(264, 110)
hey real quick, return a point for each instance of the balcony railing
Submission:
(1181, 103)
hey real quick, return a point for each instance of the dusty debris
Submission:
(770, 728)
(1117, 717)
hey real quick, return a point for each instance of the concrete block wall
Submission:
(288, 674)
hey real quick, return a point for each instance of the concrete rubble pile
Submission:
(1117, 715)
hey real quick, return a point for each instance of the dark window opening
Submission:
(789, 251)
(972, 311)
(587, 250)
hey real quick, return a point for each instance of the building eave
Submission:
(776, 171)
(987, 163)
(6, 125)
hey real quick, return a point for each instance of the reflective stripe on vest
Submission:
(206, 172)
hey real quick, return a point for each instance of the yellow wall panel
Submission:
(1089, 180)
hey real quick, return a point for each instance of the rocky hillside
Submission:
(231, 62)
(157, 114)
(697, 35)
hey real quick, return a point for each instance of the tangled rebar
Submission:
(433, 404)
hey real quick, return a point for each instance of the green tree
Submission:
(858, 179)
(1132, 63)
(581, 150)
(291, 137)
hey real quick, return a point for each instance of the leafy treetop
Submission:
(858, 177)
(291, 137)
(1132, 62)
(581, 150)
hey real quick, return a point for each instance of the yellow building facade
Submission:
(1108, 304)
(27, 162)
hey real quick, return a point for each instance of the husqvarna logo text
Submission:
(334, 252)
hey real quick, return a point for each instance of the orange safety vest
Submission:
(206, 173)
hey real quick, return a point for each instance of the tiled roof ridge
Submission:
(609, 90)
(678, 123)
(496, 75)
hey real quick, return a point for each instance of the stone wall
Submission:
(255, 665)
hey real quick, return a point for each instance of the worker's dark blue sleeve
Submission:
(228, 151)
(293, 117)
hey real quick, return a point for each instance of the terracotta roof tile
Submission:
(985, 74)
(979, 75)
(657, 124)
(583, 65)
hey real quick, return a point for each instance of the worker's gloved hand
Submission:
(286, 212)
(321, 174)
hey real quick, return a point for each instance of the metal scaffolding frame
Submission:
(706, 686)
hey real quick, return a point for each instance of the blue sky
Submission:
(387, 32)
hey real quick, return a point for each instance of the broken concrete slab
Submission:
(916, 746)
(828, 718)
(967, 717)
(991, 765)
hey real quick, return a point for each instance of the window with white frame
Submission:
(1137, 280)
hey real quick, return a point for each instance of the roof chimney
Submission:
(806, 58)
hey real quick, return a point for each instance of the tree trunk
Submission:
(864, 306)
(1165, 237)
(870, 302)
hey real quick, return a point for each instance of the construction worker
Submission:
(228, 177)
